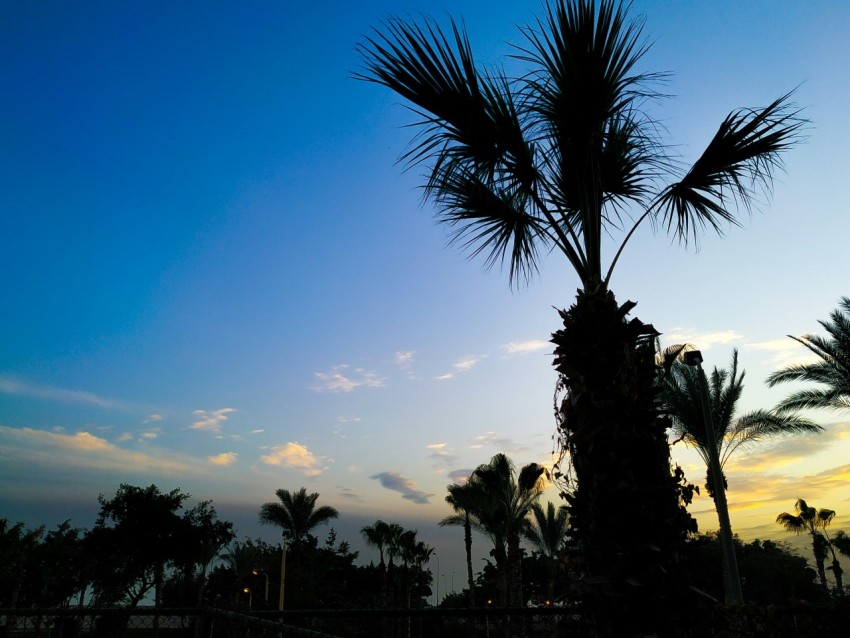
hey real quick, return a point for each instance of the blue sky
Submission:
(217, 277)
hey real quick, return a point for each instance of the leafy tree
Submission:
(548, 533)
(831, 371)
(141, 535)
(771, 572)
(814, 522)
(555, 159)
(18, 547)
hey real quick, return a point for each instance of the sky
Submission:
(216, 275)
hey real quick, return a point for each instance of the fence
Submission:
(550, 622)
(81, 622)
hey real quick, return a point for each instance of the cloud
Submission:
(462, 365)
(87, 452)
(151, 434)
(294, 455)
(524, 347)
(406, 487)
(348, 493)
(339, 379)
(210, 420)
(404, 359)
(785, 352)
(491, 438)
(224, 459)
(257, 431)
(347, 419)
(704, 340)
(460, 476)
(153, 418)
(9, 385)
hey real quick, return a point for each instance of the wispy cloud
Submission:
(524, 347)
(406, 487)
(294, 455)
(460, 476)
(342, 378)
(404, 359)
(785, 352)
(702, 340)
(491, 438)
(153, 418)
(464, 364)
(15, 387)
(84, 450)
(348, 493)
(224, 459)
(210, 421)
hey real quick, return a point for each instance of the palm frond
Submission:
(740, 159)
(759, 424)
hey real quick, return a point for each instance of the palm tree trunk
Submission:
(624, 503)
(467, 540)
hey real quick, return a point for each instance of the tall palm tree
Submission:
(553, 160)
(465, 500)
(680, 400)
(548, 533)
(831, 371)
(814, 522)
(296, 513)
(377, 536)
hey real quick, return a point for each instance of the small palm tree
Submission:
(548, 533)
(831, 371)
(296, 513)
(814, 522)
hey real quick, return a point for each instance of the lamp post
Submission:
(734, 595)
(437, 582)
(258, 572)
(282, 569)
(247, 590)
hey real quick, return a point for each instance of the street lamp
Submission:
(734, 595)
(247, 590)
(285, 535)
(258, 572)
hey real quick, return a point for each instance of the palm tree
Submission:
(555, 159)
(831, 371)
(548, 533)
(814, 521)
(465, 500)
(506, 502)
(296, 513)
(679, 397)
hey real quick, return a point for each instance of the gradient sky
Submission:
(215, 276)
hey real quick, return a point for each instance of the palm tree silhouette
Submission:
(507, 498)
(832, 371)
(465, 500)
(814, 521)
(296, 513)
(554, 160)
(680, 400)
(548, 533)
